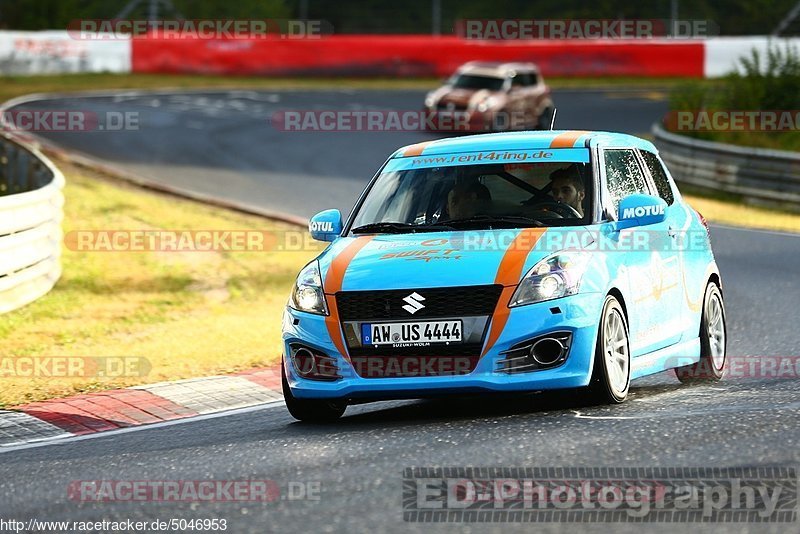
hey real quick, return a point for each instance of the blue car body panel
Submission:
(660, 284)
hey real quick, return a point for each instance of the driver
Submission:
(465, 199)
(567, 187)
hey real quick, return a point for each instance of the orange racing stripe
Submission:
(333, 283)
(508, 275)
(416, 150)
(567, 139)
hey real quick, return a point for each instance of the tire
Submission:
(311, 410)
(611, 377)
(713, 342)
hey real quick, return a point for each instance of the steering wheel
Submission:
(558, 208)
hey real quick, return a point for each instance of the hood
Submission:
(440, 259)
(461, 98)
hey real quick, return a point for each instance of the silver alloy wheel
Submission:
(715, 319)
(615, 351)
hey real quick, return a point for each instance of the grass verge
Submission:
(729, 211)
(161, 307)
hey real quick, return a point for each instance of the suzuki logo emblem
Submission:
(414, 303)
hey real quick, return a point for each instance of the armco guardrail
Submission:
(31, 205)
(757, 174)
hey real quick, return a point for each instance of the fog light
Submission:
(546, 351)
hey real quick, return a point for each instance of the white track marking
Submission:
(71, 439)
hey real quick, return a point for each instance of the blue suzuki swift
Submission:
(505, 262)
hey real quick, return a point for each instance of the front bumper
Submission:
(578, 314)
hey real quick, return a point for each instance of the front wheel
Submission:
(311, 410)
(713, 351)
(611, 377)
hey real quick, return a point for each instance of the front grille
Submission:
(451, 106)
(473, 305)
(439, 302)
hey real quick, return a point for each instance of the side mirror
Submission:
(326, 225)
(640, 210)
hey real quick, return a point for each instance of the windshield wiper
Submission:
(399, 228)
(508, 221)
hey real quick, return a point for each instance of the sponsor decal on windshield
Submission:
(562, 155)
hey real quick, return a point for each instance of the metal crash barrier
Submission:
(758, 175)
(31, 210)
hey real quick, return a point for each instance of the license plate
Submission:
(420, 332)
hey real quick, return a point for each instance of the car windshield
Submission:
(512, 195)
(471, 81)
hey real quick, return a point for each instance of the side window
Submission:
(518, 81)
(623, 175)
(659, 177)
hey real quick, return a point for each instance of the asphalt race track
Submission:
(223, 144)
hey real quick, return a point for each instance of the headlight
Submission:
(555, 276)
(307, 294)
(486, 104)
(429, 101)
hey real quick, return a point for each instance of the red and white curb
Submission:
(136, 406)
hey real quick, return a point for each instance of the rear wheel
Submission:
(611, 376)
(311, 410)
(713, 337)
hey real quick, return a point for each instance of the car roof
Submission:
(496, 68)
(547, 139)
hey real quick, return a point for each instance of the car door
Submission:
(646, 259)
(677, 222)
